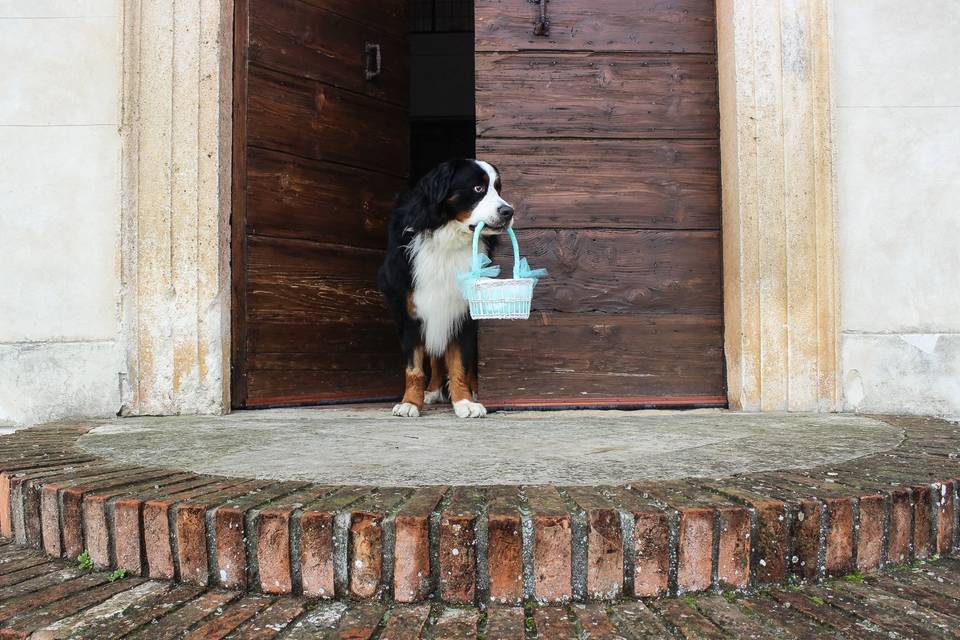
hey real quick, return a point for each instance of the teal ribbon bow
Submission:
(523, 270)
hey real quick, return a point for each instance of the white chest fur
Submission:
(437, 258)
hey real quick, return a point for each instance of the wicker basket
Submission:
(504, 298)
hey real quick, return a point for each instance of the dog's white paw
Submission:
(434, 397)
(406, 410)
(468, 409)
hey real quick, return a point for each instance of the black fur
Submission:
(436, 200)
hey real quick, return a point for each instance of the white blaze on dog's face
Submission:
(483, 196)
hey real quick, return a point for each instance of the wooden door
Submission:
(606, 133)
(320, 153)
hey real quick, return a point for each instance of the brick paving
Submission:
(492, 544)
(45, 599)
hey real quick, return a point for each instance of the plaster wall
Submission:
(896, 70)
(61, 353)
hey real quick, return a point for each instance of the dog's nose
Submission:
(505, 211)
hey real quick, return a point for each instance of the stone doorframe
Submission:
(780, 282)
(779, 234)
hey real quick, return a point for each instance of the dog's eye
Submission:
(479, 188)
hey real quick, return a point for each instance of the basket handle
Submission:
(513, 241)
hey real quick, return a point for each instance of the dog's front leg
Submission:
(435, 392)
(414, 379)
(460, 393)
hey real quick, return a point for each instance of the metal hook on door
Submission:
(541, 27)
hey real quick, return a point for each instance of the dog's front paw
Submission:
(406, 410)
(468, 409)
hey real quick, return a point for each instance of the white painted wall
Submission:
(897, 143)
(60, 348)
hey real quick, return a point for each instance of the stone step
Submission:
(468, 545)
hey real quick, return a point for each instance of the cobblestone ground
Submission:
(44, 598)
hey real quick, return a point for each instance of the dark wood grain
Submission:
(370, 346)
(317, 330)
(296, 281)
(310, 119)
(622, 184)
(317, 361)
(380, 14)
(596, 95)
(238, 212)
(317, 337)
(606, 133)
(295, 197)
(320, 155)
(597, 358)
(624, 271)
(289, 386)
(308, 41)
(612, 25)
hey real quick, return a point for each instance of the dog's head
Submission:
(465, 192)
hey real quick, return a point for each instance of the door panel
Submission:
(615, 271)
(606, 133)
(594, 95)
(320, 154)
(300, 116)
(675, 26)
(298, 280)
(643, 184)
(311, 42)
(293, 197)
(590, 359)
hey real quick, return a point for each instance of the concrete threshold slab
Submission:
(368, 446)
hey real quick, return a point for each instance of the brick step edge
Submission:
(504, 544)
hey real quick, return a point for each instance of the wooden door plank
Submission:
(313, 338)
(294, 280)
(677, 26)
(318, 121)
(380, 14)
(594, 95)
(294, 197)
(589, 359)
(309, 41)
(620, 271)
(611, 184)
(272, 388)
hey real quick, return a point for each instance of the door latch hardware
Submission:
(372, 54)
(541, 26)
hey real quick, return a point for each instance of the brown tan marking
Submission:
(459, 379)
(472, 381)
(415, 379)
(437, 373)
(411, 308)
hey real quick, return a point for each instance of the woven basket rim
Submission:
(502, 282)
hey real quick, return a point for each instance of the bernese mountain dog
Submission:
(429, 243)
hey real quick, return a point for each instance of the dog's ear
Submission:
(430, 193)
(436, 185)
